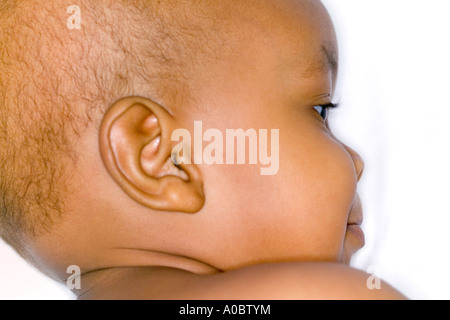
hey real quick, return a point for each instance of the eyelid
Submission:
(326, 107)
(331, 105)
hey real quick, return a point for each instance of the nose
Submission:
(357, 161)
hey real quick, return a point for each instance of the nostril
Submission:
(360, 172)
(359, 164)
(357, 161)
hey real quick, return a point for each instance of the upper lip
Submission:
(356, 213)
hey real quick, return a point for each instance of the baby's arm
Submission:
(287, 281)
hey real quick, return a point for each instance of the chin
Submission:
(351, 247)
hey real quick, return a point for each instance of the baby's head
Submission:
(93, 172)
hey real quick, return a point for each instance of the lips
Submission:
(355, 217)
(355, 220)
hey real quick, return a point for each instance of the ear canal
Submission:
(176, 159)
(136, 148)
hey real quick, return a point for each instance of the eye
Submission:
(324, 110)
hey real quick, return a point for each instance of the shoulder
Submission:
(282, 281)
(297, 281)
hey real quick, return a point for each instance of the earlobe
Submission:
(136, 148)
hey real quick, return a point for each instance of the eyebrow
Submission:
(328, 63)
(332, 59)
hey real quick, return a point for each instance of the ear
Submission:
(136, 148)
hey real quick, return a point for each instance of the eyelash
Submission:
(324, 110)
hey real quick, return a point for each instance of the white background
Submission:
(394, 85)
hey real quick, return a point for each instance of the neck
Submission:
(94, 281)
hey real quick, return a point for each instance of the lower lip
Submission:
(357, 232)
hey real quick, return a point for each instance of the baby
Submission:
(178, 149)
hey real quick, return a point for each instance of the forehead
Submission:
(243, 42)
(299, 34)
(296, 38)
(300, 31)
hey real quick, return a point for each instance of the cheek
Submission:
(315, 187)
(299, 214)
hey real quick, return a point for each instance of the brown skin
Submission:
(140, 228)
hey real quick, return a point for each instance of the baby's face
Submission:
(277, 75)
(275, 65)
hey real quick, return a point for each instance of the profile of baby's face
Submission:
(136, 198)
